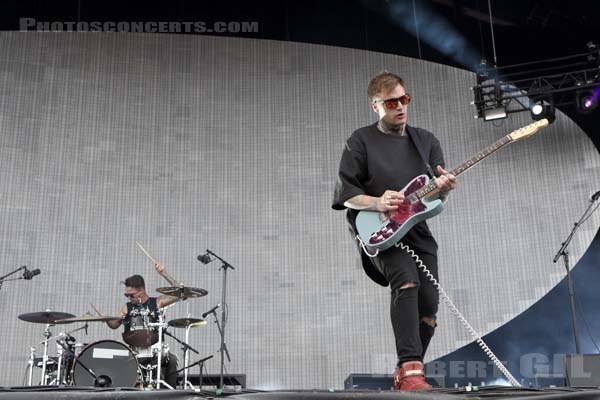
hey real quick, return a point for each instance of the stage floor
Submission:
(488, 392)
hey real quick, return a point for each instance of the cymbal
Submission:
(87, 318)
(183, 292)
(185, 322)
(44, 317)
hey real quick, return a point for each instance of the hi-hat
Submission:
(183, 292)
(185, 322)
(44, 317)
(87, 318)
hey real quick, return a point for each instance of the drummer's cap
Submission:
(135, 281)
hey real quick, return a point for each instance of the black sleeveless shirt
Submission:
(136, 311)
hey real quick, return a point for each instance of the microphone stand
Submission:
(199, 362)
(223, 350)
(562, 252)
(186, 348)
(3, 278)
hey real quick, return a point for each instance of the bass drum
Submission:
(106, 363)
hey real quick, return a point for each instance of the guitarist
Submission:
(377, 161)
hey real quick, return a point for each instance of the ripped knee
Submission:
(408, 285)
(431, 321)
(409, 289)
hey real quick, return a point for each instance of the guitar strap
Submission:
(417, 142)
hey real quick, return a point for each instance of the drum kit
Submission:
(109, 363)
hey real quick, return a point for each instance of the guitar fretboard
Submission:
(430, 187)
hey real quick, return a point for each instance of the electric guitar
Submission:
(379, 231)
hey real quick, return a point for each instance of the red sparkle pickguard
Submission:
(403, 213)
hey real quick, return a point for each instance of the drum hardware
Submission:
(86, 318)
(182, 292)
(45, 317)
(186, 323)
(160, 325)
(65, 342)
(60, 349)
(49, 318)
(146, 373)
(30, 363)
(139, 333)
(201, 364)
(47, 335)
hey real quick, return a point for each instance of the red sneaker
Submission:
(410, 377)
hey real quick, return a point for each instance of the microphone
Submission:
(212, 310)
(86, 328)
(205, 258)
(596, 195)
(28, 275)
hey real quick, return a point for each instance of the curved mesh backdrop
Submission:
(186, 143)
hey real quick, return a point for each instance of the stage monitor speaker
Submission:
(213, 380)
(582, 370)
(369, 382)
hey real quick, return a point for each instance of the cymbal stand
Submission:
(47, 335)
(61, 348)
(30, 365)
(185, 347)
(85, 368)
(160, 325)
(57, 379)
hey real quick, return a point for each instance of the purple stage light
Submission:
(587, 103)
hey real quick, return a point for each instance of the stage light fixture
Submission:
(494, 113)
(586, 100)
(542, 107)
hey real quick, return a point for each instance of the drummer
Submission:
(135, 291)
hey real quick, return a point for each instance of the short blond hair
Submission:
(384, 81)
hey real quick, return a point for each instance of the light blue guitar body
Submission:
(376, 231)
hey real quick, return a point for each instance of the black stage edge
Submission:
(487, 392)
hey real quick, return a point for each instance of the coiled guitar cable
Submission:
(453, 309)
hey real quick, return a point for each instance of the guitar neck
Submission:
(491, 149)
(471, 162)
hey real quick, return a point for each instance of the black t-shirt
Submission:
(373, 162)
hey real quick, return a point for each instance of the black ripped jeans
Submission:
(408, 306)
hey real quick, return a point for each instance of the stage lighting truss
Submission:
(559, 81)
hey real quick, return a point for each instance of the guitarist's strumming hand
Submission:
(389, 201)
(446, 181)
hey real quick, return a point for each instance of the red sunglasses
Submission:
(391, 104)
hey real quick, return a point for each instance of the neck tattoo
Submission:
(391, 129)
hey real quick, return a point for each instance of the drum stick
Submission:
(167, 276)
(95, 309)
(145, 252)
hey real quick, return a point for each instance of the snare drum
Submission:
(106, 363)
(139, 333)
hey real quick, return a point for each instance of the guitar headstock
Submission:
(529, 129)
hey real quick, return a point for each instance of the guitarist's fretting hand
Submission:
(446, 181)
